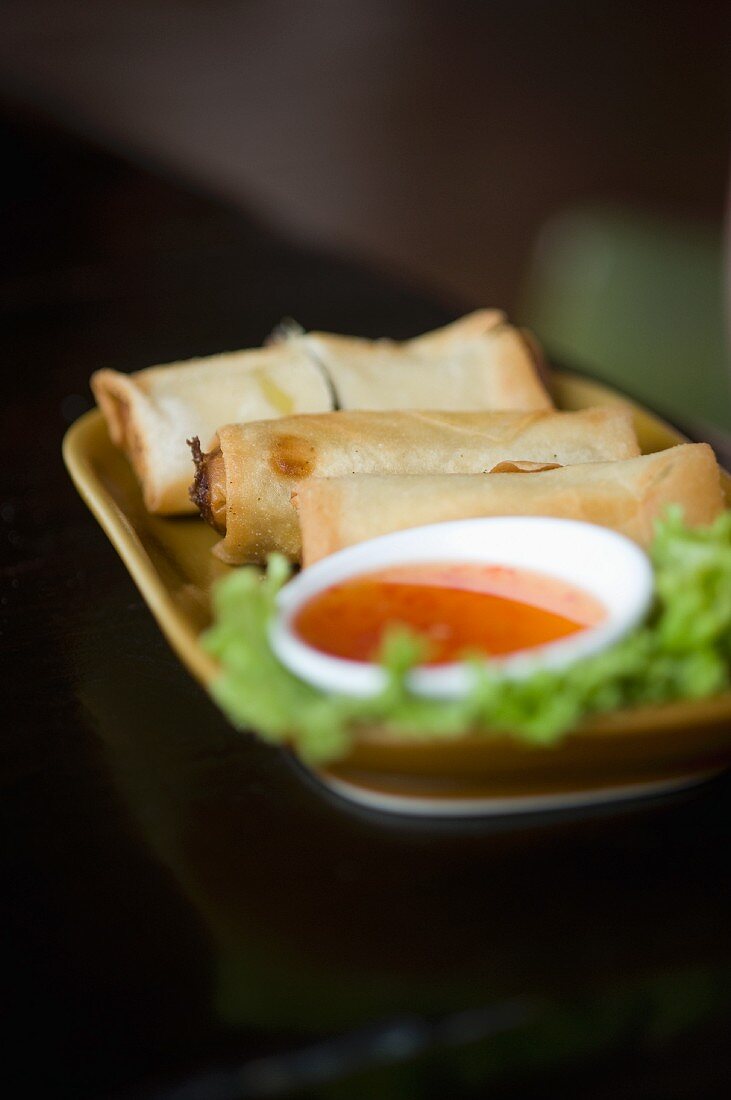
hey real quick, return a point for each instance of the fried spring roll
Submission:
(478, 362)
(627, 496)
(243, 486)
(152, 413)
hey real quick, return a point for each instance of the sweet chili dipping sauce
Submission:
(457, 607)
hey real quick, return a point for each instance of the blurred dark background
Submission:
(566, 161)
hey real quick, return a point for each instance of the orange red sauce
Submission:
(458, 607)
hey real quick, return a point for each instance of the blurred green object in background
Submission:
(638, 301)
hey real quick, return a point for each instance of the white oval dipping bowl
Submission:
(605, 564)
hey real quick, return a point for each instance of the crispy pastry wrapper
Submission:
(151, 414)
(477, 362)
(244, 484)
(627, 496)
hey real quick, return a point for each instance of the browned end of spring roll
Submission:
(208, 491)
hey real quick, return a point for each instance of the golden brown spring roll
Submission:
(627, 496)
(151, 414)
(478, 362)
(244, 486)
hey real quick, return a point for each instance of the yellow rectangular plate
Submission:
(627, 751)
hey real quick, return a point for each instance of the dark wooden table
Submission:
(183, 914)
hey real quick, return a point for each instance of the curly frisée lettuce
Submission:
(683, 651)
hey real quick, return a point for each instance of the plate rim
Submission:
(180, 634)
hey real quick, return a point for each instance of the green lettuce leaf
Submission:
(683, 651)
